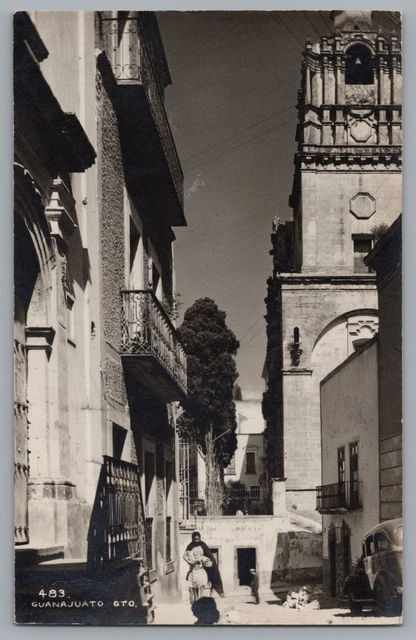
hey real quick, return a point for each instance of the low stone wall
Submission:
(285, 553)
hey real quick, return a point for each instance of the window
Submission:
(136, 258)
(359, 65)
(230, 470)
(354, 461)
(369, 546)
(354, 491)
(362, 247)
(250, 462)
(168, 539)
(341, 464)
(255, 491)
(380, 542)
(119, 438)
(149, 475)
(168, 485)
(70, 318)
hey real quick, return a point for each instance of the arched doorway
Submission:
(26, 274)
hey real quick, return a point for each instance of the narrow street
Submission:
(240, 610)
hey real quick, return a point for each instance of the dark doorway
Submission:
(346, 556)
(333, 567)
(246, 560)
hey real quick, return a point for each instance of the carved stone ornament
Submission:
(363, 205)
(59, 213)
(361, 125)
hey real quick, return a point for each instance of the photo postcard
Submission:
(207, 317)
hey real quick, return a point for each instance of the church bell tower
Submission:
(322, 300)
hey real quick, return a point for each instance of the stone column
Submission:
(279, 496)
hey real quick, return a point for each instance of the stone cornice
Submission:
(321, 278)
(40, 338)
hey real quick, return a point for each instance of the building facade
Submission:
(244, 477)
(348, 497)
(322, 298)
(247, 465)
(99, 364)
(361, 428)
(386, 260)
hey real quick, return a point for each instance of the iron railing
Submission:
(116, 524)
(131, 61)
(148, 530)
(147, 330)
(338, 496)
(252, 501)
(168, 539)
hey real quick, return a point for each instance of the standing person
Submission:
(199, 556)
(254, 584)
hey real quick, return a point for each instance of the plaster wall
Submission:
(349, 410)
(283, 554)
(250, 430)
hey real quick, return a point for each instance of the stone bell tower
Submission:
(347, 189)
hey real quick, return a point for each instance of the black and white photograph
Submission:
(208, 317)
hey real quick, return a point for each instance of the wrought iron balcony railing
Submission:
(148, 331)
(115, 532)
(340, 496)
(131, 61)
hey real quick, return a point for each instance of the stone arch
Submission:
(359, 63)
(340, 338)
(33, 251)
(362, 42)
(344, 316)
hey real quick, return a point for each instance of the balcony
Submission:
(151, 349)
(339, 497)
(152, 167)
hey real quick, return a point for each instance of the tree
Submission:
(209, 416)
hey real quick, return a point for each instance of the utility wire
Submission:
(239, 145)
(310, 22)
(232, 224)
(247, 332)
(247, 343)
(327, 26)
(302, 44)
(237, 134)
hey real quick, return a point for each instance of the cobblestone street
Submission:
(240, 610)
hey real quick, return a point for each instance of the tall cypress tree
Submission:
(209, 417)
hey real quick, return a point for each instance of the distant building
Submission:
(322, 298)
(247, 466)
(98, 362)
(361, 429)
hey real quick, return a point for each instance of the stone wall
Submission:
(327, 222)
(323, 311)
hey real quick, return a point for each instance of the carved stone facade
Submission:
(322, 299)
(82, 406)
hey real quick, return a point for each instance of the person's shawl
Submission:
(213, 572)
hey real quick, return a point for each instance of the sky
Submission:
(232, 111)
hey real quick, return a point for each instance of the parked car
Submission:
(378, 579)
